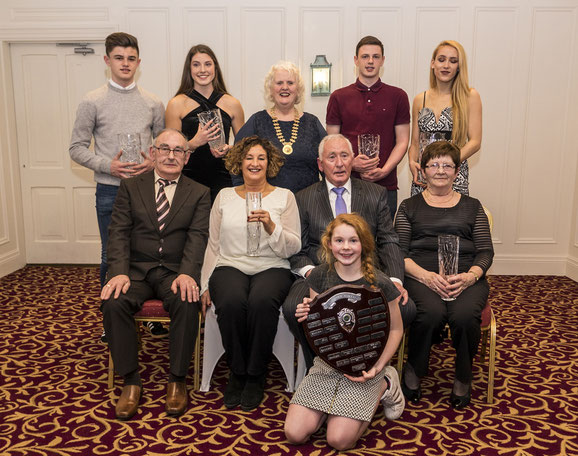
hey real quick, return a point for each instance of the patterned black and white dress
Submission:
(328, 390)
(431, 130)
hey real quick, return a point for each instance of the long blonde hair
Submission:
(460, 92)
(366, 239)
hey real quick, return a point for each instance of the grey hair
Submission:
(172, 130)
(331, 138)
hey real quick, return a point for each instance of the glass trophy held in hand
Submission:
(253, 200)
(130, 145)
(448, 254)
(368, 144)
(210, 119)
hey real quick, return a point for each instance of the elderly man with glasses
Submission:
(157, 238)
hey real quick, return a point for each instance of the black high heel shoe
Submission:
(460, 402)
(412, 395)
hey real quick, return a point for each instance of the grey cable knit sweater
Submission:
(106, 112)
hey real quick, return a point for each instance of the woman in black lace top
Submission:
(419, 221)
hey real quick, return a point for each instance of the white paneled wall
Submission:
(522, 57)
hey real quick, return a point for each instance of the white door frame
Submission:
(12, 242)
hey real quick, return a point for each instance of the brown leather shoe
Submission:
(177, 398)
(127, 403)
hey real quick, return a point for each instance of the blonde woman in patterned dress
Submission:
(449, 110)
(347, 403)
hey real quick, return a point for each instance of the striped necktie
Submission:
(162, 203)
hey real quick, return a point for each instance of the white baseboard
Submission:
(529, 265)
(572, 268)
(11, 261)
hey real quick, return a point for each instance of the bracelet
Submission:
(475, 275)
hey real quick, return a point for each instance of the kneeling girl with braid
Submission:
(325, 394)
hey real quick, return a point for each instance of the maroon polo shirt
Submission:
(359, 109)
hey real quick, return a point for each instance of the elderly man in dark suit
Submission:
(157, 239)
(319, 204)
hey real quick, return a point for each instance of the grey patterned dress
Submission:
(431, 130)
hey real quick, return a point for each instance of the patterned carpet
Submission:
(54, 399)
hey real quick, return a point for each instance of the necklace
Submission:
(427, 192)
(287, 145)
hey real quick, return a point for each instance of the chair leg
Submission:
(485, 337)
(300, 366)
(492, 360)
(197, 360)
(110, 371)
(401, 354)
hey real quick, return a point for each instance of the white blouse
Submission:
(227, 244)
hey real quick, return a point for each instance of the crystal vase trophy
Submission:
(212, 118)
(130, 145)
(253, 200)
(368, 144)
(448, 253)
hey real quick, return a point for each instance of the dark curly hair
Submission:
(236, 155)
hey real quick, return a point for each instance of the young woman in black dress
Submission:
(202, 89)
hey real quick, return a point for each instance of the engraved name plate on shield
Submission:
(348, 327)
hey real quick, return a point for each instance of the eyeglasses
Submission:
(444, 166)
(177, 151)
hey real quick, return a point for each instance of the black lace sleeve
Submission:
(483, 241)
(403, 228)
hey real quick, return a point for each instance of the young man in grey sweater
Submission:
(117, 107)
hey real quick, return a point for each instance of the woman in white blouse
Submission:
(248, 290)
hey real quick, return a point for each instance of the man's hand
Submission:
(374, 175)
(147, 165)
(403, 291)
(116, 285)
(188, 287)
(363, 163)
(121, 169)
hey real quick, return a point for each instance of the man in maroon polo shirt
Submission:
(370, 106)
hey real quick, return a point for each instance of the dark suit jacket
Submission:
(368, 200)
(134, 236)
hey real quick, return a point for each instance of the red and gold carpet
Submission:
(54, 399)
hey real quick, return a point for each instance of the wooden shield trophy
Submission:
(348, 327)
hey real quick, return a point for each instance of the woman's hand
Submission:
(205, 133)
(459, 283)
(365, 376)
(302, 310)
(220, 153)
(415, 169)
(205, 302)
(261, 215)
(437, 283)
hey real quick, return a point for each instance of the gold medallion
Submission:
(287, 149)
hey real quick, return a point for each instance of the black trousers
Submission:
(300, 290)
(464, 317)
(247, 310)
(120, 328)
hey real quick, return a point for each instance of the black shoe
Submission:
(252, 394)
(157, 329)
(235, 386)
(460, 402)
(103, 338)
(412, 395)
